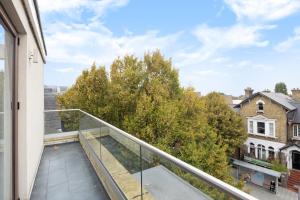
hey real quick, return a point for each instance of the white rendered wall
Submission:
(31, 113)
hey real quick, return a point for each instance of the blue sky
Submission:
(217, 45)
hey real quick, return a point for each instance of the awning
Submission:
(257, 168)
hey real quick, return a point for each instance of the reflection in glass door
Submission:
(6, 66)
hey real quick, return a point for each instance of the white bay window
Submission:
(264, 127)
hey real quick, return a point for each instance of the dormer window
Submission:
(260, 106)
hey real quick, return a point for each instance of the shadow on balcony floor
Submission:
(66, 173)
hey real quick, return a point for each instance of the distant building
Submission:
(272, 121)
(232, 101)
(50, 94)
(52, 119)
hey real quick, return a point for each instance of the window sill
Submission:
(295, 138)
(262, 135)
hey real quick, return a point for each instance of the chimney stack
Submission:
(296, 94)
(248, 92)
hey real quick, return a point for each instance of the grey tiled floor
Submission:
(66, 173)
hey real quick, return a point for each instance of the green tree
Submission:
(281, 88)
(194, 141)
(226, 123)
(154, 116)
(89, 93)
(144, 97)
(127, 76)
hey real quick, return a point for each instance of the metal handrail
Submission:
(225, 187)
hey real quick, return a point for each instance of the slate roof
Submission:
(280, 98)
(284, 100)
(287, 102)
(294, 116)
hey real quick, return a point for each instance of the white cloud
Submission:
(58, 5)
(97, 6)
(65, 70)
(247, 64)
(76, 43)
(88, 39)
(235, 36)
(263, 10)
(290, 42)
(217, 40)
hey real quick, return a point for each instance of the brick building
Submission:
(272, 121)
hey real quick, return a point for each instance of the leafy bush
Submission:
(277, 166)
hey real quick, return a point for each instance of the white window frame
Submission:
(271, 131)
(257, 106)
(250, 126)
(261, 152)
(264, 128)
(271, 149)
(297, 132)
(252, 145)
(268, 127)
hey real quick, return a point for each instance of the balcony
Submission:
(87, 158)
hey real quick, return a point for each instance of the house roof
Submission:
(282, 99)
(294, 116)
(257, 168)
(290, 145)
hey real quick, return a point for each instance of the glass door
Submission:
(6, 99)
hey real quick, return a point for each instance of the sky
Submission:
(217, 45)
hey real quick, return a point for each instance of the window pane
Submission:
(271, 153)
(6, 61)
(271, 129)
(261, 127)
(250, 126)
(260, 106)
(298, 132)
(252, 150)
(263, 155)
(295, 130)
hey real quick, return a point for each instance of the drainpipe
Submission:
(287, 128)
(287, 134)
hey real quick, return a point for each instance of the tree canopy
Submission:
(281, 88)
(144, 98)
(226, 123)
